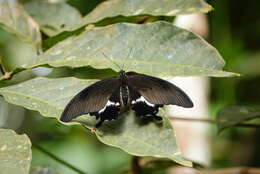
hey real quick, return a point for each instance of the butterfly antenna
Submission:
(128, 56)
(111, 60)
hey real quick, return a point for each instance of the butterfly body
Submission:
(107, 98)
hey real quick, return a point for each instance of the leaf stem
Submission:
(51, 155)
(136, 168)
(209, 121)
(6, 76)
(2, 69)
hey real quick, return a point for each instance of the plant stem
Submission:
(248, 125)
(46, 152)
(2, 69)
(136, 168)
(6, 76)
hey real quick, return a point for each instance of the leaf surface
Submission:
(132, 11)
(114, 8)
(133, 135)
(59, 16)
(15, 19)
(15, 152)
(159, 49)
(233, 115)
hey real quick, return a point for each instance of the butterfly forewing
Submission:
(158, 91)
(91, 99)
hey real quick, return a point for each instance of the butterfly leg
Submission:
(155, 111)
(100, 122)
(158, 118)
(94, 129)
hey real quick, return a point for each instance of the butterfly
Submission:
(107, 98)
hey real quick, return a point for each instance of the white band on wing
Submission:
(142, 99)
(109, 103)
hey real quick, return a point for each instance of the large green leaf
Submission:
(49, 97)
(114, 8)
(15, 19)
(133, 11)
(233, 115)
(15, 152)
(159, 48)
(59, 16)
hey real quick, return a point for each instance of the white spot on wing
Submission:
(142, 99)
(109, 103)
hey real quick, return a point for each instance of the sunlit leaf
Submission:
(15, 20)
(114, 8)
(135, 136)
(233, 115)
(53, 18)
(158, 48)
(15, 152)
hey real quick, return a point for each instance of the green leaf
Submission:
(159, 48)
(11, 116)
(43, 170)
(140, 138)
(15, 152)
(114, 8)
(49, 97)
(133, 11)
(15, 19)
(22, 56)
(59, 16)
(233, 115)
(30, 94)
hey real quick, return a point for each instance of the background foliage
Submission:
(64, 40)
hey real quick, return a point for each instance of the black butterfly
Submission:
(107, 98)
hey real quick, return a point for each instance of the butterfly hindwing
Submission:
(90, 100)
(157, 91)
(141, 106)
